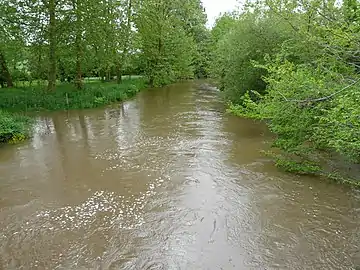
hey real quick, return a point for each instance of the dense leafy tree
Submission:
(296, 65)
(11, 41)
(249, 39)
(167, 46)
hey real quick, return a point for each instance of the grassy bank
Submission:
(15, 127)
(66, 97)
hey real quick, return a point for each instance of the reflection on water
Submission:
(166, 181)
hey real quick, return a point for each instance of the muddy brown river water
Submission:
(166, 181)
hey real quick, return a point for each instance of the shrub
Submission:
(13, 128)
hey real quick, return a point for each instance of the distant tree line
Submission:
(68, 40)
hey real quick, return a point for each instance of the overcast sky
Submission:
(215, 7)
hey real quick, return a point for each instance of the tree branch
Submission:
(323, 98)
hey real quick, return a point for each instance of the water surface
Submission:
(166, 181)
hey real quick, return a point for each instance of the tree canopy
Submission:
(67, 40)
(295, 64)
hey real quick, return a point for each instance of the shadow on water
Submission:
(166, 181)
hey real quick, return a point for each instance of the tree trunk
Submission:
(108, 75)
(52, 46)
(119, 74)
(151, 81)
(102, 75)
(5, 75)
(78, 79)
(78, 41)
(126, 41)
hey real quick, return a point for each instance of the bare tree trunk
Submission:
(52, 46)
(4, 72)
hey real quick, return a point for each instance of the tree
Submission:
(10, 39)
(222, 27)
(5, 76)
(51, 9)
(166, 38)
(125, 38)
(70, 39)
(311, 79)
(77, 7)
(239, 41)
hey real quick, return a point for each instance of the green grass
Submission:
(13, 127)
(43, 83)
(94, 94)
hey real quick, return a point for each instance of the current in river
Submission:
(167, 180)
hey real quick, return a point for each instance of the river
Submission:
(167, 180)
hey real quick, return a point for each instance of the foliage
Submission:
(306, 168)
(13, 128)
(309, 68)
(248, 39)
(95, 94)
(68, 40)
(167, 32)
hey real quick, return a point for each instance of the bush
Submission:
(13, 128)
(312, 111)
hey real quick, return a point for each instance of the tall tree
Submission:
(11, 39)
(5, 76)
(77, 8)
(166, 44)
(125, 38)
(51, 8)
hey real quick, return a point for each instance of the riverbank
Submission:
(95, 94)
(328, 164)
(15, 127)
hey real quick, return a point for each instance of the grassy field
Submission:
(86, 80)
(94, 94)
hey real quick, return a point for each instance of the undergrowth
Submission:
(67, 97)
(13, 127)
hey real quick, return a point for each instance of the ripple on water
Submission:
(101, 215)
(142, 155)
(104, 207)
(183, 187)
